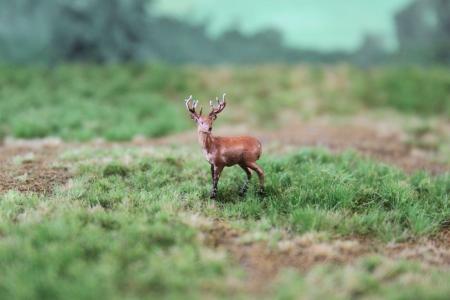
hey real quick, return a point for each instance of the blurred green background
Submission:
(116, 68)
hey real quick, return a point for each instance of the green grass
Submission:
(311, 190)
(118, 231)
(411, 90)
(67, 248)
(118, 102)
(345, 194)
(82, 102)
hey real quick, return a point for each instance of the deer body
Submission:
(229, 151)
(223, 152)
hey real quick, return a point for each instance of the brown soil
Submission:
(433, 251)
(262, 261)
(29, 168)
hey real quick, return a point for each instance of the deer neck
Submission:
(206, 140)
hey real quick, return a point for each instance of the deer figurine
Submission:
(223, 152)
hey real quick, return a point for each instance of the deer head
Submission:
(204, 123)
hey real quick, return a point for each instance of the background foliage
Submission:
(101, 31)
(81, 102)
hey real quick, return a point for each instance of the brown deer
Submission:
(223, 152)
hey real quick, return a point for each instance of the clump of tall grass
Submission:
(345, 194)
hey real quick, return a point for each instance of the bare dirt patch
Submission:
(263, 261)
(30, 167)
(433, 251)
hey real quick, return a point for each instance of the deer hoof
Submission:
(213, 195)
(261, 192)
(242, 192)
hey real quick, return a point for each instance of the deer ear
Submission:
(213, 117)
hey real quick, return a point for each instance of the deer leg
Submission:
(244, 188)
(217, 171)
(213, 195)
(260, 173)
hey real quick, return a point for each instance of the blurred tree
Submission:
(423, 31)
(177, 42)
(101, 30)
(372, 51)
(443, 16)
(25, 30)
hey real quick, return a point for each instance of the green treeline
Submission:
(109, 31)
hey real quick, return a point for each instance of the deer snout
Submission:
(204, 127)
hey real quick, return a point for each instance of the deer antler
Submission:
(191, 105)
(220, 106)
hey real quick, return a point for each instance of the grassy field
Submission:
(119, 102)
(123, 228)
(363, 215)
